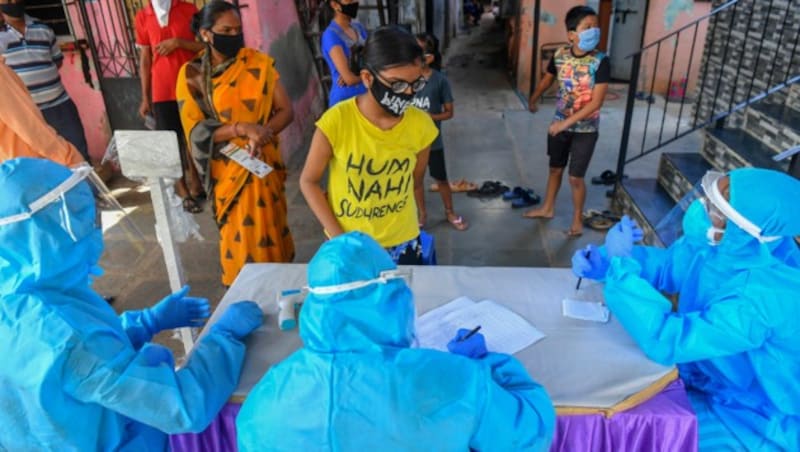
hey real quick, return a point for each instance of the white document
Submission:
(585, 310)
(504, 330)
(242, 157)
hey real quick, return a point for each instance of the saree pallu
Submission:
(250, 212)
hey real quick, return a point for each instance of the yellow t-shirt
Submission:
(371, 172)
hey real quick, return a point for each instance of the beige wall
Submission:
(663, 18)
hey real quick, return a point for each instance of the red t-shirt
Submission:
(149, 33)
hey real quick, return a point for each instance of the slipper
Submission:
(459, 223)
(512, 194)
(526, 199)
(607, 177)
(598, 223)
(191, 205)
(460, 186)
(489, 189)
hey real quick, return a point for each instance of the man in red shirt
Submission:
(166, 42)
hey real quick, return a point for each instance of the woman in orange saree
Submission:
(231, 94)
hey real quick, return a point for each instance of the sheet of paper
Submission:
(430, 333)
(242, 157)
(504, 330)
(585, 310)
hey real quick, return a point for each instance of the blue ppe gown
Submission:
(735, 334)
(356, 385)
(75, 376)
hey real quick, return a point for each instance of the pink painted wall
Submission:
(274, 28)
(662, 19)
(90, 105)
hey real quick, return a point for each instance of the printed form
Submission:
(504, 330)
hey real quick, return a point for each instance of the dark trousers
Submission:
(65, 119)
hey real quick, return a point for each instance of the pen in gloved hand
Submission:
(470, 334)
(586, 254)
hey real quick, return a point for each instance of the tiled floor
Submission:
(492, 137)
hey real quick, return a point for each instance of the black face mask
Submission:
(392, 103)
(228, 45)
(350, 9)
(16, 10)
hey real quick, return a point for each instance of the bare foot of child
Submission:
(541, 212)
(576, 230)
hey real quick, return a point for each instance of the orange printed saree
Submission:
(250, 212)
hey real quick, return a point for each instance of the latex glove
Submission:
(473, 347)
(622, 236)
(589, 263)
(155, 355)
(240, 319)
(177, 311)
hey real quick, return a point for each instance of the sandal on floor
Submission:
(462, 186)
(527, 198)
(191, 205)
(489, 189)
(512, 194)
(457, 221)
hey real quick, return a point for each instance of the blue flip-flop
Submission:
(527, 198)
(512, 194)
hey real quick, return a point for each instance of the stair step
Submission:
(793, 99)
(678, 172)
(728, 149)
(777, 126)
(647, 203)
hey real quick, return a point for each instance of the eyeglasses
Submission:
(400, 86)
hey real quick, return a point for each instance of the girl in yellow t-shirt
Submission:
(375, 147)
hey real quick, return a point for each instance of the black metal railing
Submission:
(716, 109)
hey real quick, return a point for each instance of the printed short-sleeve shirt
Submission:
(576, 79)
(432, 99)
(371, 171)
(35, 56)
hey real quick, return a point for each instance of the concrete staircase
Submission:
(767, 129)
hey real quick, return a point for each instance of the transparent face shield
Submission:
(717, 208)
(58, 196)
(70, 211)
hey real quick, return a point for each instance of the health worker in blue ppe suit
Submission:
(735, 334)
(75, 376)
(356, 385)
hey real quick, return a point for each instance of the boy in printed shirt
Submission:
(583, 74)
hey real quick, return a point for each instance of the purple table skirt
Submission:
(665, 422)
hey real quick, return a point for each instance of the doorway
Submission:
(626, 35)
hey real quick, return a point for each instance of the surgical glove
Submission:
(589, 263)
(155, 355)
(177, 311)
(622, 236)
(472, 347)
(240, 319)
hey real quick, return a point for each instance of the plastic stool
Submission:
(428, 248)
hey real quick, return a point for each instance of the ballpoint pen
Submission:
(470, 334)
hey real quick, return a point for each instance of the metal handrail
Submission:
(708, 94)
(786, 154)
(695, 22)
